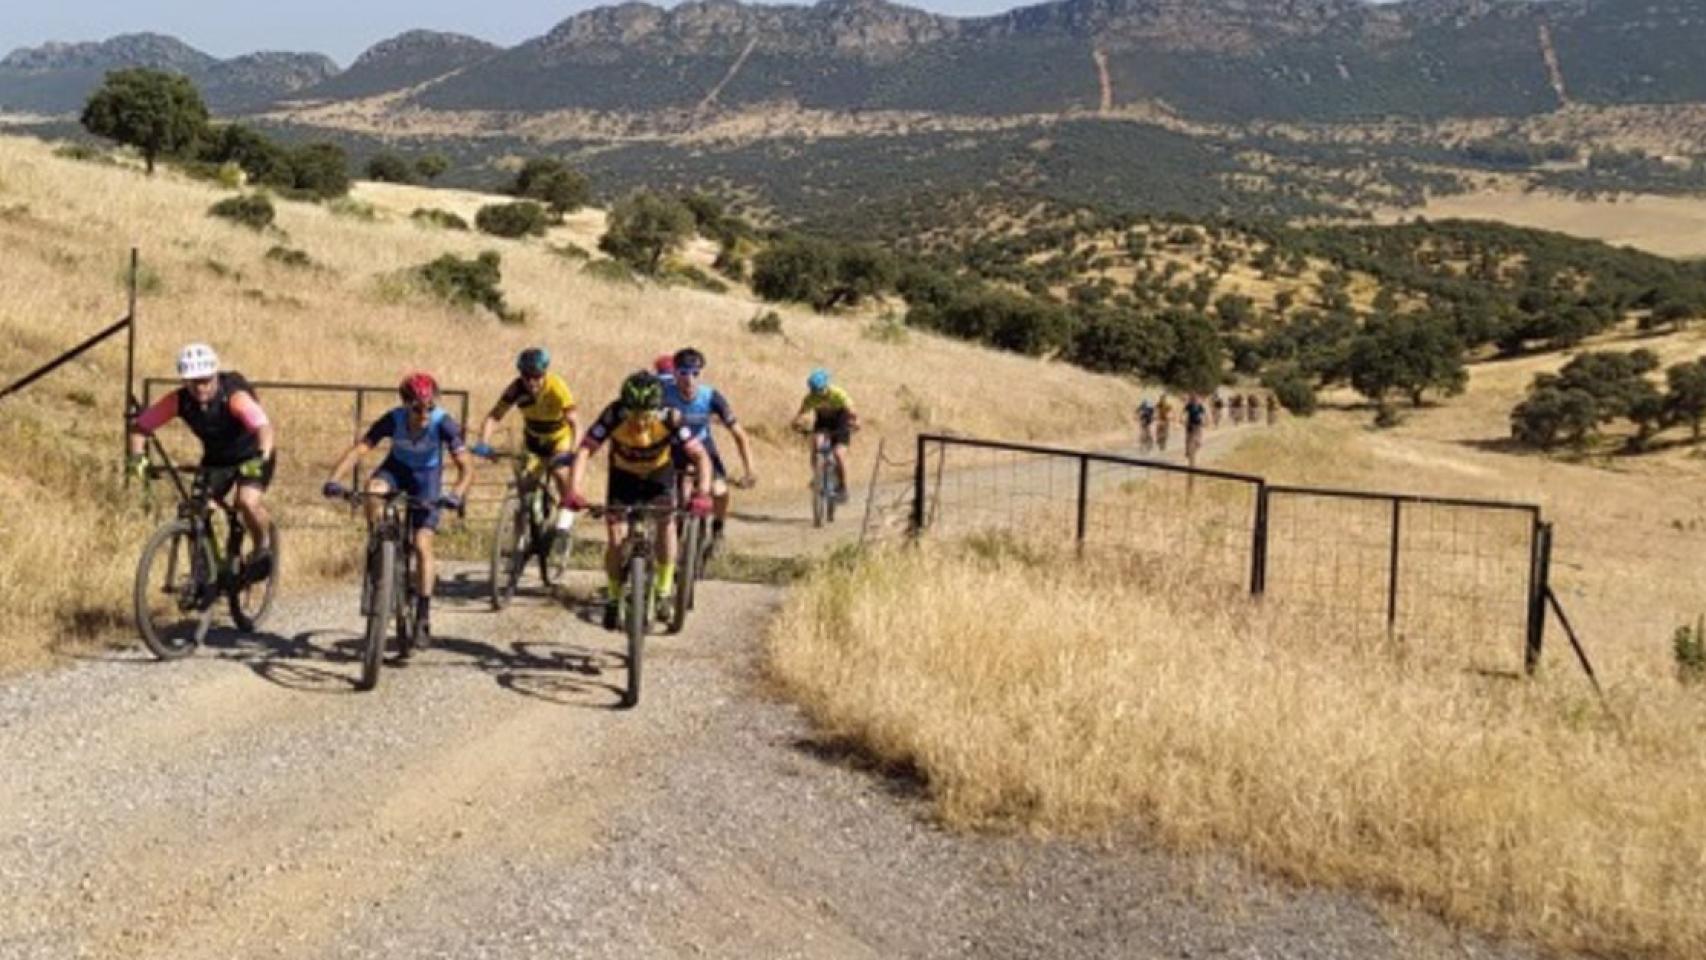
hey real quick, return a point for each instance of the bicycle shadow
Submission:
(565, 674)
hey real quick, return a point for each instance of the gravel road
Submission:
(488, 801)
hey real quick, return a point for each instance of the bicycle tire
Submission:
(553, 562)
(832, 492)
(382, 593)
(819, 479)
(509, 550)
(163, 627)
(637, 601)
(408, 624)
(686, 575)
(246, 619)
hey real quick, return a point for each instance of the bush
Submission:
(443, 219)
(513, 220)
(390, 168)
(560, 187)
(353, 209)
(468, 283)
(1291, 387)
(698, 279)
(297, 259)
(570, 251)
(765, 323)
(82, 153)
(1688, 647)
(610, 271)
(821, 273)
(432, 166)
(254, 211)
(319, 171)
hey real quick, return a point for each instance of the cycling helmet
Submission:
(642, 391)
(197, 361)
(533, 361)
(818, 382)
(665, 363)
(418, 388)
(690, 358)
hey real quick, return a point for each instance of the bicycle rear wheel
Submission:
(636, 604)
(686, 574)
(382, 594)
(170, 614)
(250, 603)
(406, 613)
(509, 550)
(820, 491)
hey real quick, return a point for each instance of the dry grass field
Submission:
(1031, 692)
(68, 538)
(1669, 226)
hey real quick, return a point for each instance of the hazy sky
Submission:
(338, 28)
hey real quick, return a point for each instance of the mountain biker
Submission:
(1237, 408)
(1195, 415)
(664, 366)
(1219, 408)
(1163, 421)
(832, 418)
(698, 402)
(551, 425)
(1273, 409)
(220, 408)
(1252, 407)
(419, 432)
(646, 438)
(1146, 424)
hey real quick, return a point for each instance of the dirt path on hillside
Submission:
(488, 801)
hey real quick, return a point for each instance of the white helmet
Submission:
(196, 361)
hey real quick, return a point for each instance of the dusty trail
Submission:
(487, 801)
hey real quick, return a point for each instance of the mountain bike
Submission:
(526, 529)
(634, 559)
(826, 480)
(388, 583)
(189, 563)
(1162, 428)
(1145, 437)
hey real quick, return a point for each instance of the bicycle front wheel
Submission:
(381, 590)
(170, 612)
(509, 550)
(251, 602)
(686, 574)
(636, 602)
(820, 491)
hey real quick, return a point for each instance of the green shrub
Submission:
(888, 328)
(1688, 646)
(512, 220)
(696, 278)
(569, 251)
(390, 168)
(610, 271)
(1291, 387)
(467, 283)
(442, 219)
(296, 259)
(765, 323)
(645, 227)
(82, 153)
(254, 210)
(353, 210)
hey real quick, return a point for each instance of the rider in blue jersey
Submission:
(418, 433)
(700, 403)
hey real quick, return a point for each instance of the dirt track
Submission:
(487, 801)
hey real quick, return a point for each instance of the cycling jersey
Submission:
(640, 445)
(1194, 413)
(697, 412)
(1146, 413)
(831, 400)
(416, 453)
(227, 426)
(542, 413)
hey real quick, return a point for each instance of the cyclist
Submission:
(1252, 408)
(664, 366)
(550, 425)
(1219, 408)
(1237, 408)
(698, 402)
(1146, 424)
(1163, 421)
(220, 408)
(645, 439)
(832, 418)
(419, 432)
(1273, 409)
(1195, 415)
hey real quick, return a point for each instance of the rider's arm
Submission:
(701, 467)
(452, 432)
(361, 448)
(248, 412)
(588, 446)
(492, 420)
(152, 419)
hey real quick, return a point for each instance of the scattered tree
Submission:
(644, 228)
(156, 112)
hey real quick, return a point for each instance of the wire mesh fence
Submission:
(1443, 576)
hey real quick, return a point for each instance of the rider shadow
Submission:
(769, 519)
(560, 673)
(292, 663)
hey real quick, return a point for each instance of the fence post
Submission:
(1539, 586)
(918, 490)
(360, 404)
(1259, 544)
(1083, 498)
(130, 406)
(1392, 584)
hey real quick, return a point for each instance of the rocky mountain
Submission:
(58, 77)
(400, 63)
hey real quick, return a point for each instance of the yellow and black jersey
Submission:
(640, 444)
(544, 414)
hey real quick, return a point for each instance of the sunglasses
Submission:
(688, 371)
(199, 381)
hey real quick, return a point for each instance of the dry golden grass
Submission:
(1670, 226)
(67, 541)
(1030, 691)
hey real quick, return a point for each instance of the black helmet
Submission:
(533, 361)
(642, 391)
(689, 358)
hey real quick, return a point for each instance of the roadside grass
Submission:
(1033, 691)
(68, 538)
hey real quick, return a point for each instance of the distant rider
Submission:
(832, 417)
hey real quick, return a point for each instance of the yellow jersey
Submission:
(640, 445)
(543, 414)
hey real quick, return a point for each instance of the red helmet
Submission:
(418, 388)
(665, 363)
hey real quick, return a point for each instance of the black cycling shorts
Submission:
(837, 424)
(222, 477)
(633, 490)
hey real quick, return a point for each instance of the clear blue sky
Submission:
(340, 29)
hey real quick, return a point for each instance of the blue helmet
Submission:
(533, 361)
(818, 382)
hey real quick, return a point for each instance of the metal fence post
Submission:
(1083, 499)
(1259, 544)
(1539, 587)
(918, 490)
(130, 405)
(1392, 584)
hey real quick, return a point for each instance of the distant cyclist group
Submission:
(662, 455)
(1155, 418)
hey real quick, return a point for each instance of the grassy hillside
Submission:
(352, 317)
